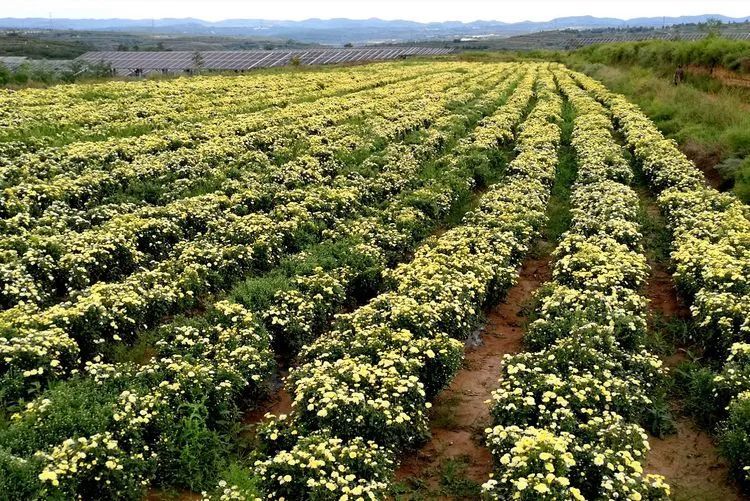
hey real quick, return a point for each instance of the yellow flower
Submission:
(49, 476)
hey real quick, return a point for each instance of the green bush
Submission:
(78, 407)
(742, 181)
(710, 51)
(321, 467)
(734, 437)
(190, 455)
(19, 477)
(697, 388)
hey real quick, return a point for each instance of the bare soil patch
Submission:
(278, 402)
(689, 461)
(706, 160)
(662, 294)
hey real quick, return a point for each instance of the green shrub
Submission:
(19, 478)
(78, 407)
(698, 390)
(190, 455)
(734, 437)
(742, 181)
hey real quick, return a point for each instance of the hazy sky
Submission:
(418, 10)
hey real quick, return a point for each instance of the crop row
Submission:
(565, 414)
(361, 391)
(47, 343)
(31, 119)
(144, 413)
(208, 146)
(229, 163)
(711, 257)
(45, 163)
(711, 230)
(52, 266)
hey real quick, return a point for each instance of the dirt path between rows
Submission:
(460, 413)
(278, 402)
(688, 459)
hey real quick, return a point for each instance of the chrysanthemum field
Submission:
(174, 253)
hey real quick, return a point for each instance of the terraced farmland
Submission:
(181, 256)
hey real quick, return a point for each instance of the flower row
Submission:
(216, 145)
(37, 120)
(366, 383)
(127, 453)
(61, 264)
(115, 312)
(565, 416)
(711, 257)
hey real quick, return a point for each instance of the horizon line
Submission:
(373, 18)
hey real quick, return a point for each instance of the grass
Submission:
(452, 483)
(558, 208)
(711, 123)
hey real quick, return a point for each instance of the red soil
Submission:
(725, 76)
(279, 402)
(688, 459)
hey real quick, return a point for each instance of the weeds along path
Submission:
(687, 457)
(455, 461)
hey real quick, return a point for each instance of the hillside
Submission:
(339, 31)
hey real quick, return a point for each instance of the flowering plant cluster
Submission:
(711, 256)
(77, 172)
(213, 365)
(44, 267)
(228, 243)
(368, 378)
(147, 400)
(730, 401)
(565, 416)
(710, 230)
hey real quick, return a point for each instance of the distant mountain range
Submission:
(339, 31)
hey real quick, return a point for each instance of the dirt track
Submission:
(460, 413)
